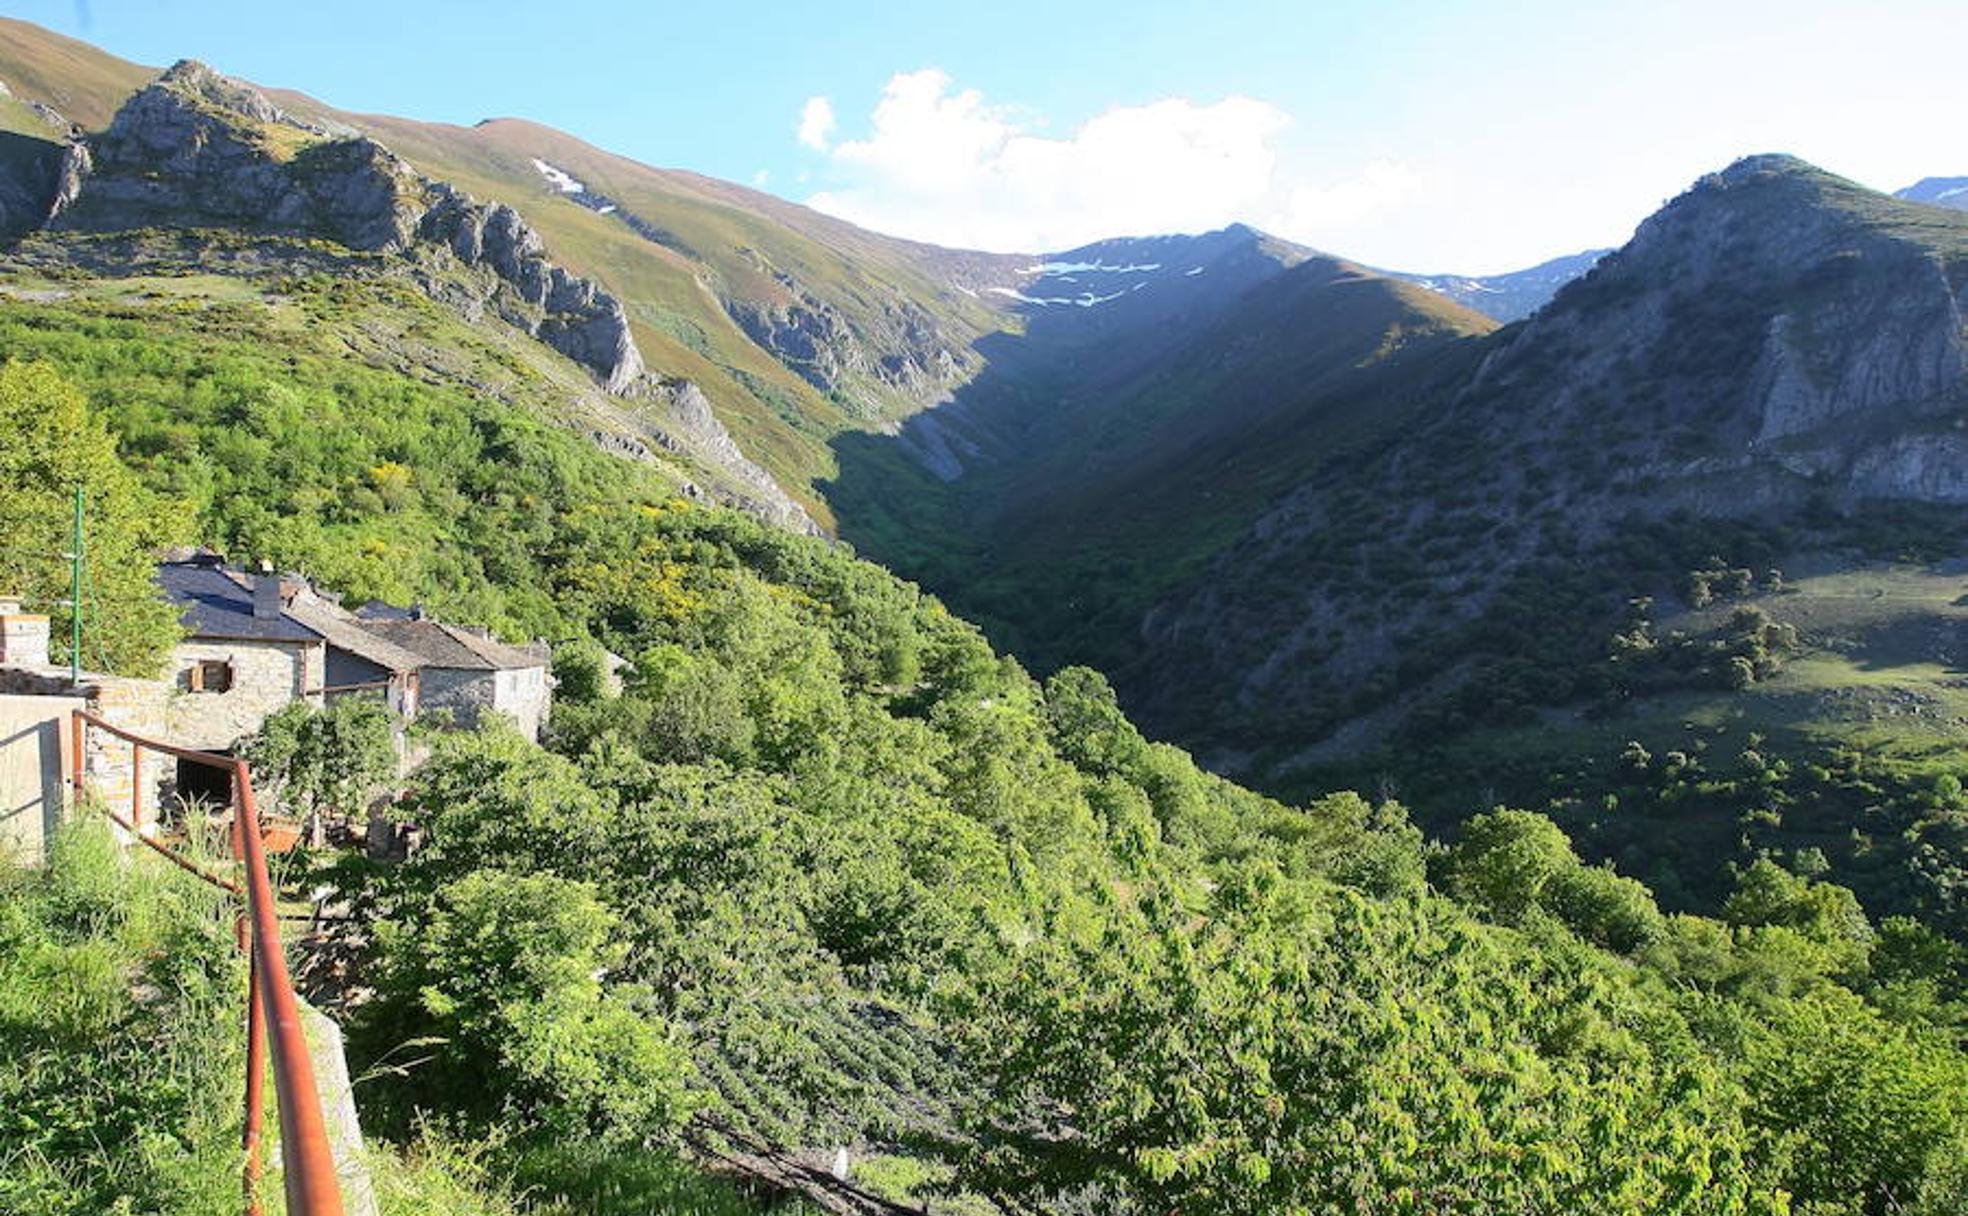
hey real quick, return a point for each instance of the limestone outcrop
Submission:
(195, 149)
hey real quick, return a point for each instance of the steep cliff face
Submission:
(904, 355)
(1774, 317)
(30, 183)
(568, 313)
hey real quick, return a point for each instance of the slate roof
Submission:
(378, 610)
(216, 602)
(442, 645)
(356, 637)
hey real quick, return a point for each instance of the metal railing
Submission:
(309, 1165)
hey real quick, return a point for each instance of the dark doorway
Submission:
(201, 784)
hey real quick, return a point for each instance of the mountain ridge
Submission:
(1125, 419)
(1512, 295)
(1728, 422)
(1951, 192)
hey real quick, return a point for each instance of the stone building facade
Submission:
(37, 706)
(228, 687)
(244, 657)
(468, 673)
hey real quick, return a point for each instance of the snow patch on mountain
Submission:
(1058, 268)
(559, 179)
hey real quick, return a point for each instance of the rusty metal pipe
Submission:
(255, 1095)
(167, 854)
(312, 1188)
(311, 1183)
(76, 759)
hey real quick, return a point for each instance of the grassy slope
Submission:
(83, 83)
(675, 299)
(736, 239)
(1881, 664)
(1858, 724)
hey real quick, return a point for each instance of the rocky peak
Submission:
(192, 82)
(1788, 321)
(1759, 167)
(195, 149)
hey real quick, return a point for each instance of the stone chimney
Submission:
(267, 601)
(23, 635)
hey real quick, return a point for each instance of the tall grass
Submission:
(121, 1042)
(454, 1173)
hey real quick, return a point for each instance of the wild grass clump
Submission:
(121, 1044)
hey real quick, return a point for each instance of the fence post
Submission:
(136, 787)
(78, 727)
(255, 1032)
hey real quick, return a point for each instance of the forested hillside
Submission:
(828, 871)
(827, 874)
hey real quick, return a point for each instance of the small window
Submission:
(210, 675)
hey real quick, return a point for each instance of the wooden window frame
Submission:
(195, 677)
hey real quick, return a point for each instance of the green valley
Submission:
(1182, 724)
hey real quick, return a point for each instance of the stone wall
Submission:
(109, 765)
(34, 741)
(522, 696)
(464, 693)
(265, 677)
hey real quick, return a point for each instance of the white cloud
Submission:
(816, 124)
(761, 178)
(945, 165)
(1340, 205)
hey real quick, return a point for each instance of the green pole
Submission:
(75, 597)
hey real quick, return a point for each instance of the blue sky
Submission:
(1426, 136)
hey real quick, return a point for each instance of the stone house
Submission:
(255, 643)
(258, 642)
(359, 660)
(244, 655)
(467, 671)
